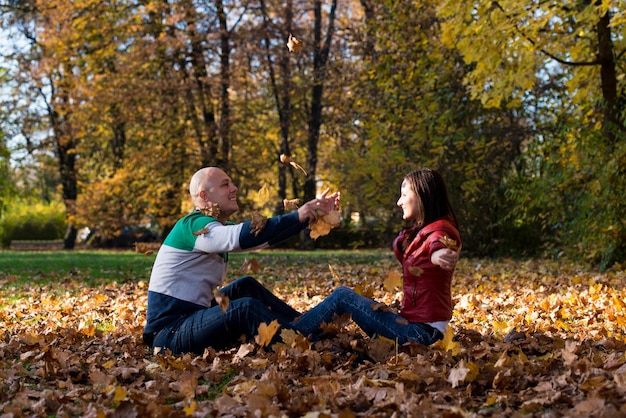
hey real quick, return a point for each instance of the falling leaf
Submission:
(449, 242)
(202, 231)
(294, 45)
(380, 307)
(415, 271)
(285, 159)
(291, 204)
(250, 265)
(263, 194)
(324, 224)
(258, 223)
(146, 248)
(402, 321)
(364, 289)
(392, 281)
(333, 273)
(212, 209)
(266, 333)
(223, 301)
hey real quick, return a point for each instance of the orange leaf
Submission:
(202, 231)
(291, 204)
(266, 332)
(294, 45)
(393, 281)
(251, 265)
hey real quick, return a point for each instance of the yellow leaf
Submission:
(447, 343)
(120, 394)
(500, 326)
(324, 224)
(266, 332)
(392, 281)
(449, 242)
(263, 194)
(190, 409)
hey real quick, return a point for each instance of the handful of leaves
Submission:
(325, 223)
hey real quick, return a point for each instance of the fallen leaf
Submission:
(333, 273)
(447, 343)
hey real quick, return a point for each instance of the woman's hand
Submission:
(445, 258)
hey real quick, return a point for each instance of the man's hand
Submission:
(310, 211)
(445, 258)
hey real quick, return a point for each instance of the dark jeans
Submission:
(250, 305)
(373, 322)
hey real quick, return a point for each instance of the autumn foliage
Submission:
(531, 338)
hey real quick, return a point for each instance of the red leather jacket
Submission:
(427, 295)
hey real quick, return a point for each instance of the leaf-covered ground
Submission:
(533, 338)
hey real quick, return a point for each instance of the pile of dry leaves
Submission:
(530, 338)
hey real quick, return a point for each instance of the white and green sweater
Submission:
(189, 267)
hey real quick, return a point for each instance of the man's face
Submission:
(219, 189)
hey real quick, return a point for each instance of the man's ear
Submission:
(204, 195)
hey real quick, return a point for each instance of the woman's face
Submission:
(410, 203)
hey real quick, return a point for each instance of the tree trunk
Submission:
(224, 125)
(612, 125)
(282, 97)
(320, 59)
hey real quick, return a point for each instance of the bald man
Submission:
(183, 315)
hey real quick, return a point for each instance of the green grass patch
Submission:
(70, 272)
(44, 266)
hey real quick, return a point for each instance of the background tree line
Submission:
(110, 106)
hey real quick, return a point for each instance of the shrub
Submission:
(32, 220)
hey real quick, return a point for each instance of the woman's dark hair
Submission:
(429, 185)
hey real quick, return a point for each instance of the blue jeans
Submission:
(250, 305)
(373, 322)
